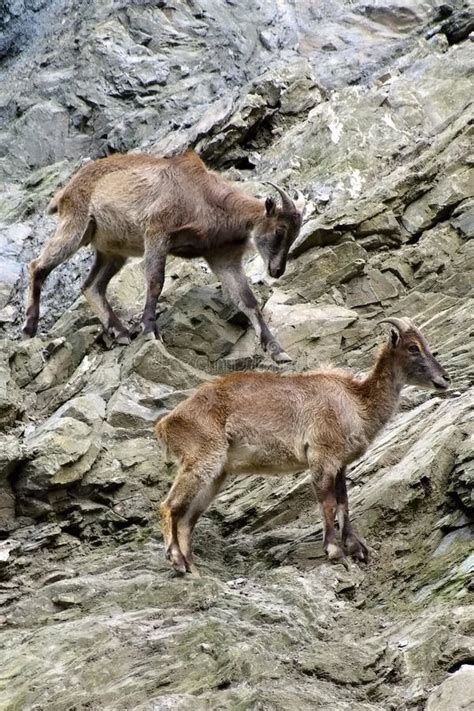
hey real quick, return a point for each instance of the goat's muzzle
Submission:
(441, 382)
(277, 266)
(277, 271)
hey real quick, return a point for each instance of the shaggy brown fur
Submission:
(130, 205)
(267, 423)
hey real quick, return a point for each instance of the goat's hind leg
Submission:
(94, 289)
(323, 478)
(353, 545)
(69, 236)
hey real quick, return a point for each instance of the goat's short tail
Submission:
(160, 430)
(162, 436)
(54, 204)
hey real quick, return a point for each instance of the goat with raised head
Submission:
(129, 205)
(271, 423)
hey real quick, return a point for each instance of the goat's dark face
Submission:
(418, 363)
(276, 234)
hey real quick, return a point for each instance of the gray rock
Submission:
(384, 223)
(462, 481)
(89, 409)
(372, 288)
(423, 213)
(6, 550)
(322, 269)
(152, 361)
(300, 326)
(456, 692)
(9, 275)
(463, 218)
(357, 668)
(28, 360)
(363, 107)
(11, 401)
(201, 324)
(36, 151)
(123, 410)
(314, 233)
(11, 455)
(57, 454)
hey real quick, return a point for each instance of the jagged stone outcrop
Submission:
(366, 108)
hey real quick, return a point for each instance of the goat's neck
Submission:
(250, 210)
(380, 391)
(244, 211)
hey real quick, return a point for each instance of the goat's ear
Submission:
(394, 337)
(270, 206)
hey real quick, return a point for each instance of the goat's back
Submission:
(269, 409)
(120, 170)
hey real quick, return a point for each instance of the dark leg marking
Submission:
(67, 239)
(323, 485)
(233, 279)
(352, 543)
(156, 251)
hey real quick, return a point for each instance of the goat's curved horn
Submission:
(401, 324)
(287, 203)
(300, 201)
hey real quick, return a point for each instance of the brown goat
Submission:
(270, 423)
(135, 204)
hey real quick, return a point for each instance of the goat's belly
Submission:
(118, 231)
(245, 458)
(126, 243)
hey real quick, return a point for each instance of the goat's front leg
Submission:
(234, 281)
(156, 251)
(195, 486)
(352, 543)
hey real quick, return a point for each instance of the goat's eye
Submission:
(280, 232)
(413, 349)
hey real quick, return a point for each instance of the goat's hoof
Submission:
(135, 330)
(28, 332)
(150, 333)
(178, 562)
(356, 548)
(336, 555)
(276, 352)
(113, 336)
(335, 552)
(179, 566)
(120, 335)
(282, 357)
(123, 339)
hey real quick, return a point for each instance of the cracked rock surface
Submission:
(367, 108)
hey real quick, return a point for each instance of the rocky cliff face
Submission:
(366, 107)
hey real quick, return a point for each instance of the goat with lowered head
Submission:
(135, 204)
(270, 423)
